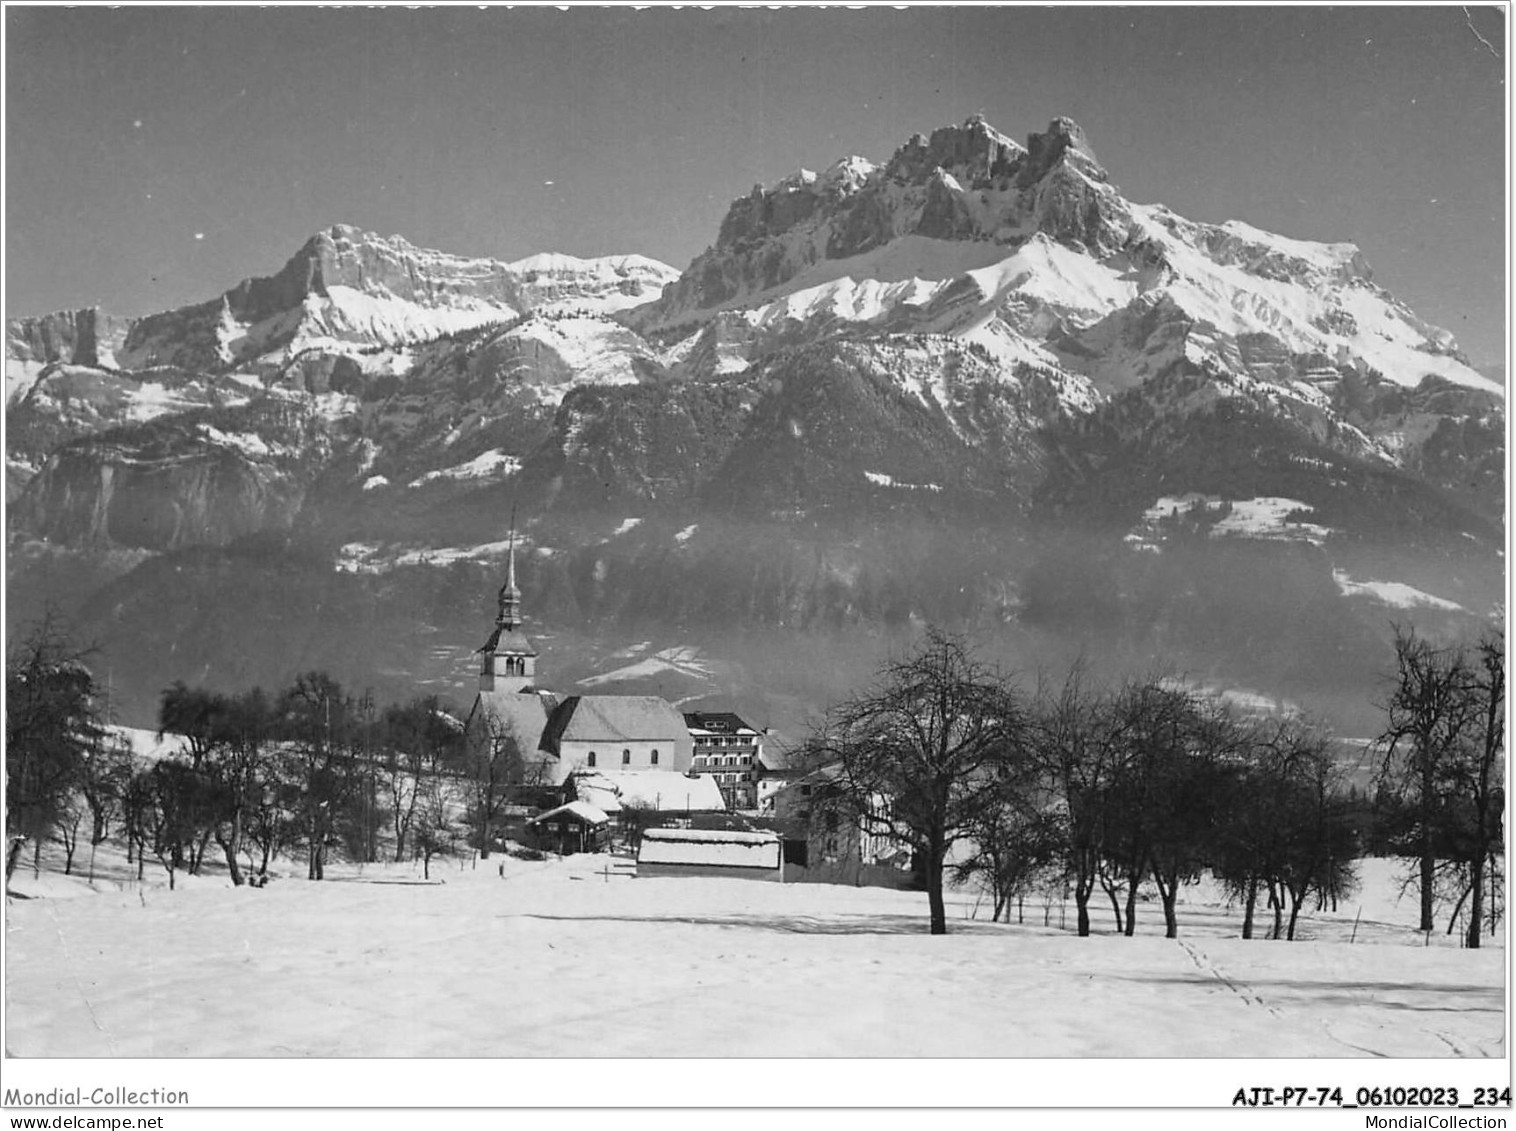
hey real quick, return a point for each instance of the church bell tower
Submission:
(510, 659)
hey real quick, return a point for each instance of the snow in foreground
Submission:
(555, 959)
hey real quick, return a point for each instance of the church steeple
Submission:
(509, 616)
(510, 660)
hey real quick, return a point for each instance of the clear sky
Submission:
(156, 156)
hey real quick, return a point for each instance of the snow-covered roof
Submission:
(663, 790)
(710, 848)
(777, 762)
(612, 719)
(712, 836)
(583, 810)
(522, 713)
(717, 722)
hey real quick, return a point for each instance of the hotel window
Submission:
(592, 758)
(626, 757)
(654, 761)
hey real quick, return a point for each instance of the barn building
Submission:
(710, 852)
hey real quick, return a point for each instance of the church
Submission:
(560, 736)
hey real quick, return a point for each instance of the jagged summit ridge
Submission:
(1033, 251)
(968, 182)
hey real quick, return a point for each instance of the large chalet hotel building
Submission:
(728, 749)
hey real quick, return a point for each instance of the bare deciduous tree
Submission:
(418, 739)
(51, 722)
(1444, 748)
(914, 753)
(435, 830)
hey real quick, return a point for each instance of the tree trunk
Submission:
(1084, 887)
(1476, 908)
(936, 852)
(205, 839)
(1131, 903)
(13, 856)
(1110, 890)
(1295, 901)
(1428, 880)
(236, 845)
(1170, 895)
(1428, 857)
(1252, 902)
(1457, 912)
(232, 867)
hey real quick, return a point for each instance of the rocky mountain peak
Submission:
(974, 152)
(1063, 136)
(966, 183)
(87, 336)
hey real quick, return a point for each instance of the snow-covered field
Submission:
(557, 959)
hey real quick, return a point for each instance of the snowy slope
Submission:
(705, 967)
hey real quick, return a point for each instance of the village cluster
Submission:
(942, 772)
(688, 792)
(311, 769)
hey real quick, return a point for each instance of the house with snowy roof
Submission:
(614, 791)
(710, 852)
(575, 827)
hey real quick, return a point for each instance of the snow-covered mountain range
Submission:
(342, 294)
(975, 335)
